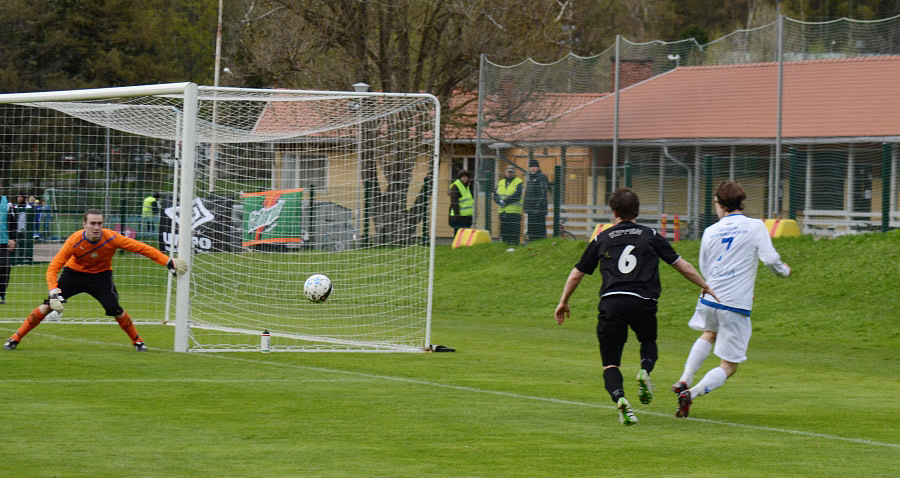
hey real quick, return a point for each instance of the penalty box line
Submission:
(500, 393)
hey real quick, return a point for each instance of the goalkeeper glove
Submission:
(502, 203)
(55, 301)
(177, 266)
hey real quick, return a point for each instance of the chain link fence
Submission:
(803, 115)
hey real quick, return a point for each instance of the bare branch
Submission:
(562, 9)
(247, 18)
(491, 18)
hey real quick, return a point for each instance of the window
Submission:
(463, 162)
(303, 171)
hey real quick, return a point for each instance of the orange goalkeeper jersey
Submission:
(81, 255)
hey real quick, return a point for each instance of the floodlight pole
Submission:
(212, 149)
(776, 200)
(615, 144)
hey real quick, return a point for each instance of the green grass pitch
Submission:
(522, 396)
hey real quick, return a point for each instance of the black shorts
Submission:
(459, 222)
(100, 286)
(617, 313)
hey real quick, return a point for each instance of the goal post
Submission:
(274, 185)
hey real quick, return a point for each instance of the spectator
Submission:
(150, 214)
(7, 243)
(509, 197)
(536, 201)
(39, 218)
(21, 211)
(462, 203)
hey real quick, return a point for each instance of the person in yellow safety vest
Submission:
(462, 203)
(509, 197)
(149, 213)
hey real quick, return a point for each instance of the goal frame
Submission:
(190, 92)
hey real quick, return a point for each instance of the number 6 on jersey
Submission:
(627, 261)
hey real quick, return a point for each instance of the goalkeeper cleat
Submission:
(626, 415)
(679, 387)
(140, 347)
(10, 344)
(684, 404)
(645, 387)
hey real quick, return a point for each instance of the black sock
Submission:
(612, 379)
(649, 354)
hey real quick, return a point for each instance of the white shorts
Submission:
(732, 330)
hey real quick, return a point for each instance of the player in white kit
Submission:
(729, 255)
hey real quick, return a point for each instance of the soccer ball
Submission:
(317, 288)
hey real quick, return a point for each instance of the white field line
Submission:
(463, 388)
(177, 380)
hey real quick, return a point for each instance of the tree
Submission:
(399, 46)
(49, 45)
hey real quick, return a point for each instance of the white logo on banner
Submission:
(266, 217)
(199, 214)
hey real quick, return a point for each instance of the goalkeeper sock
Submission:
(713, 379)
(612, 379)
(699, 352)
(32, 321)
(124, 321)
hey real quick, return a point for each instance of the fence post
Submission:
(707, 201)
(367, 189)
(557, 200)
(677, 229)
(426, 187)
(627, 173)
(123, 220)
(489, 188)
(886, 186)
(798, 182)
(312, 216)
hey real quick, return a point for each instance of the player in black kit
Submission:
(628, 256)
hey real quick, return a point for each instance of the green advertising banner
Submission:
(272, 217)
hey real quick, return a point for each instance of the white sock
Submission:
(699, 352)
(713, 379)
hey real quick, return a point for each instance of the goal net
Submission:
(280, 185)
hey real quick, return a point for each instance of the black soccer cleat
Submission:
(140, 346)
(10, 344)
(679, 387)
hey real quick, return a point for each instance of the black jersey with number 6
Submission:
(628, 255)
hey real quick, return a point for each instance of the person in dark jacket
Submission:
(536, 189)
(8, 225)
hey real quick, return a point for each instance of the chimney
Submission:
(633, 71)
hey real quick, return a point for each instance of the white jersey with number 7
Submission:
(729, 255)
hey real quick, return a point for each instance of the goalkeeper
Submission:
(86, 263)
